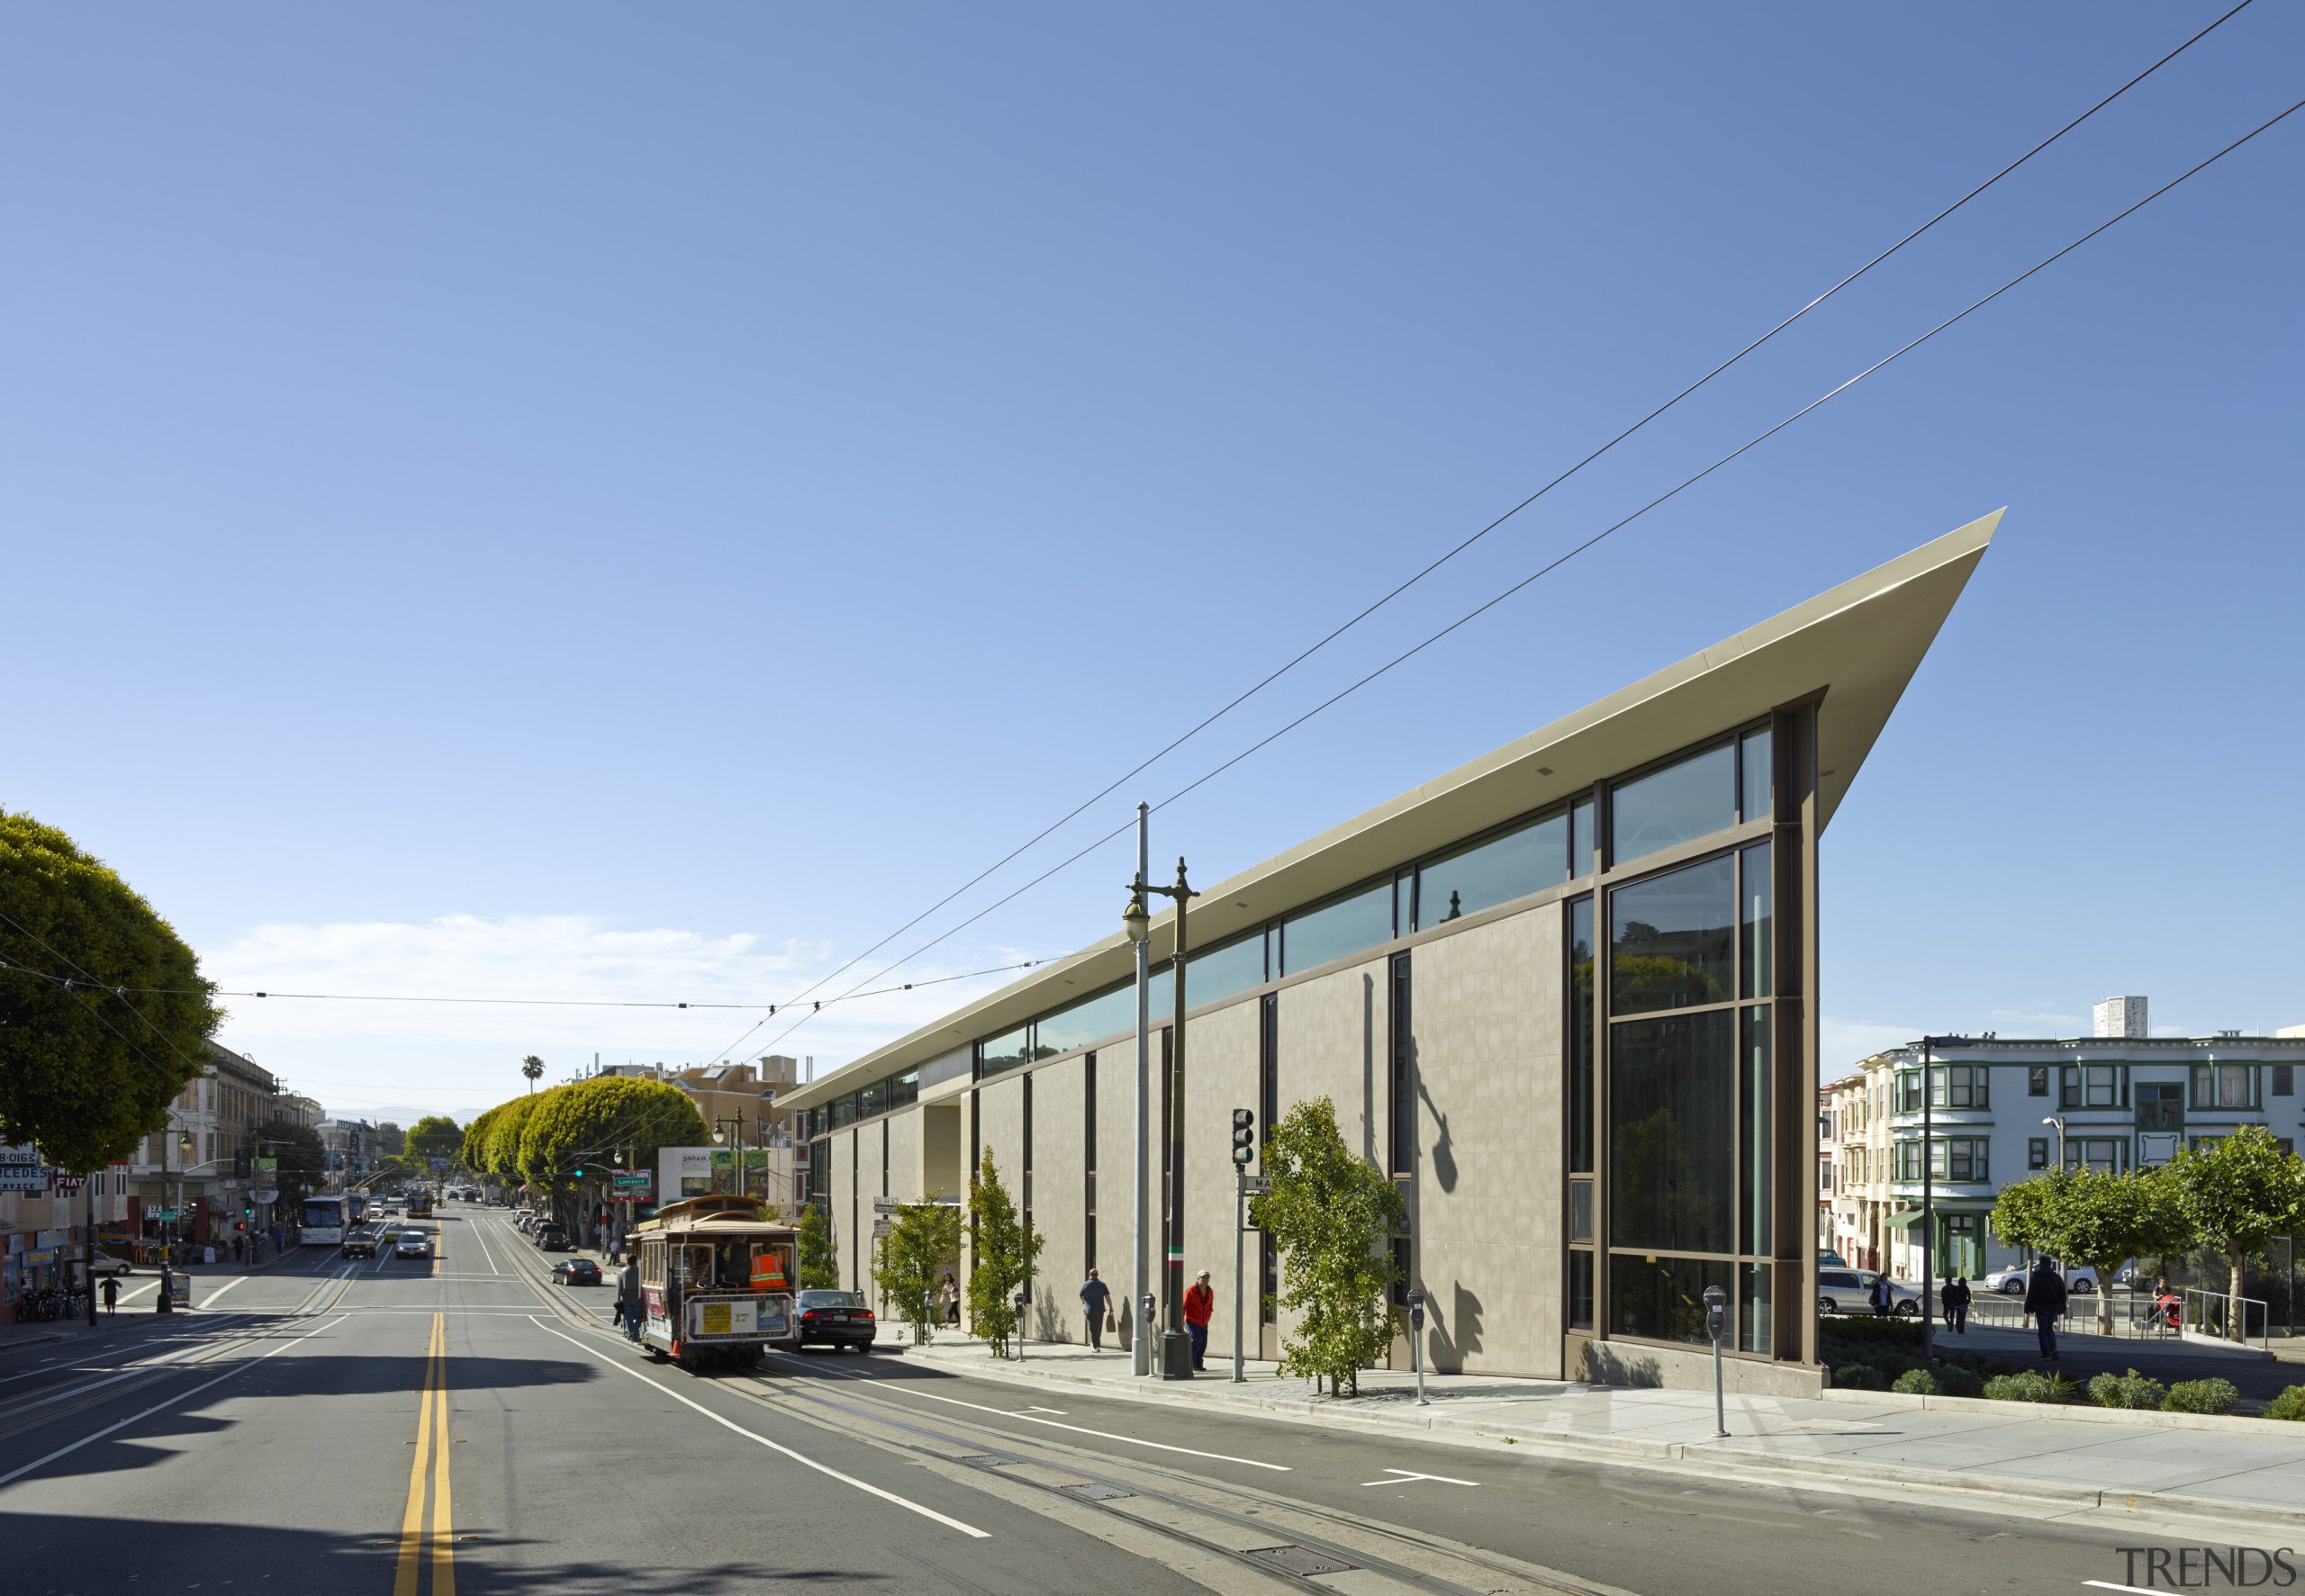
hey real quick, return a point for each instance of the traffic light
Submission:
(1244, 1136)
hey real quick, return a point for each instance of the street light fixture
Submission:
(2059, 1123)
(1176, 1344)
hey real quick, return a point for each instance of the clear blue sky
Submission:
(572, 500)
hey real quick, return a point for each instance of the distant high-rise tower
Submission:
(2122, 1017)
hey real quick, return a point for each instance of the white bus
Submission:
(324, 1219)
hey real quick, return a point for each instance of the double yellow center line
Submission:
(433, 1453)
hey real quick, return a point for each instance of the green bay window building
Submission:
(1565, 995)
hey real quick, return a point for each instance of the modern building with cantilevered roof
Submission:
(1585, 1143)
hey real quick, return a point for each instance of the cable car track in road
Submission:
(969, 1436)
(1070, 1462)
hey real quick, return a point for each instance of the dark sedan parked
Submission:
(837, 1318)
(551, 1238)
(577, 1271)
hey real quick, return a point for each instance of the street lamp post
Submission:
(1136, 924)
(2059, 1122)
(1176, 1344)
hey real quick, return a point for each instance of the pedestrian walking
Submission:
(239, 1246)
(627, 1299)
(949, 1295)
(1200, 1301)
(1956, 1304)
(1882, 1296)
(111, 1296)
(2045, 1301)
(1096, 1297)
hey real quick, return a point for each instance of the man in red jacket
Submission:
(1200, 1301)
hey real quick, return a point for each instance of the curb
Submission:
(1965, 1482)
(17, 1344)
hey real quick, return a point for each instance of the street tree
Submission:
(1006, 1248)
(533, 1067)
(578, 1131)
(435, 1136)
(1330, 1214)
(104, 1012)
(819, 1262)
(924, 1240)
(2087, 1217)
(2237, 1195)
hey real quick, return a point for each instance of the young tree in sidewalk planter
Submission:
(818, 1263)
(2238, 1195)
(922, 1243)
(2085, 1217)
(1330, 1215)
(1006, 1249)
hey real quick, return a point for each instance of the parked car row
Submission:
(545, 1232)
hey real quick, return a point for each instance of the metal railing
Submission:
(2220, 1313)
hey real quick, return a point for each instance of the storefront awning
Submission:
(1911, 1216)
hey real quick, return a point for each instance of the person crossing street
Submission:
(1200, 1302)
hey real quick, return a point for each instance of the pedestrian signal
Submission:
(1244, 1136)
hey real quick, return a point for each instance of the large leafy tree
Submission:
(924, 1241)
(506, 1121)
(590, 1122)
(2237, 1195)
(2081, 1216)
(1330, 1214)
(473, 1151)
(1007, 1247)
(104, 1014)
(435, 1136)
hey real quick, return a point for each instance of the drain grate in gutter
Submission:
(1096, 1492)
(1297, 1560)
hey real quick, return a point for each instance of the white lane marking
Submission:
(1104, 1435)
(1058, 1411)
(2107, 1585)
(219, 1291)
(491, 1257)
(142, 1367)
(1406, 1476)
(925, 1512)
(172, 1402)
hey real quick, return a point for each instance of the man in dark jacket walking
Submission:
(1883, 1297)
(2045, 1301)
(1095, 1296)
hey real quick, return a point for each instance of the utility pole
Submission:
(1138, 925)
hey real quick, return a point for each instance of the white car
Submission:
(412, 1244)
(2080, 1281)
(1850, 1291)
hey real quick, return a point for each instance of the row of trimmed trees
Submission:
(2233, 1197)
(1330, 1214)
(569, 1137)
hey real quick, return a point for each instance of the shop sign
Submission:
(631, 1180)
(23, 1153)
(24, 1178)
(165, 1215)
(266, 1195)
(267, 1166)
(51, 1239)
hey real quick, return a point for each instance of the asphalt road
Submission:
(414, 1427)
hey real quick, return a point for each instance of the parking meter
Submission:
(1716, 1325)
(1416, 1339)
(1024, 1300)
(1417, 1307)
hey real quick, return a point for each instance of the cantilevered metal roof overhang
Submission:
(1859, 644)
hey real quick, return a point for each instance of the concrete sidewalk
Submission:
(2233, 1469)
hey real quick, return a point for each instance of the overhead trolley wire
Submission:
(1579, 466)
(1597, 538)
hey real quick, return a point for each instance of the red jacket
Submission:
(1199, 1303)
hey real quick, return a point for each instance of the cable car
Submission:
(717, 1283)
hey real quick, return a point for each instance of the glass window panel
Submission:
(1496, 871)
(844, 1111)
(1678, 803)
(2232, 1085)
(1759, 945)
(1672, 939)
(1758, 777)
(1403, 903)
(1580, 1036)
(1580, 838)
(2103, 1082)
(872, 1099)
(904, 1088)
(1220, 972)
(1580, 1290)
(1346, 927)
(1580, 1211)
(1672, 1129)
(1662, 1298)
(1160, 1000)
(1756, 1145)
(1753, 1307)
(1004, 1052)
(1091, 1019)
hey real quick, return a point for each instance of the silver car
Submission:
(1850, 1291)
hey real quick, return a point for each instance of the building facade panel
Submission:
(1221, 1074)
(1060, 1198)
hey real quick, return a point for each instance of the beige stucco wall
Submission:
(1485, 1015)
(905, 1156)
(1331, 1040)
(1000, 1128)
(1116, 1173)
(838, 1188)
(1220, 1076)
(1059, 1199)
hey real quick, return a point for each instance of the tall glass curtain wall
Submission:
(1686, 1141)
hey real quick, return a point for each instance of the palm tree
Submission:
(533, 1067)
